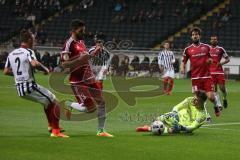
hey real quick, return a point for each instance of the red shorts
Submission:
(88, 94)
(218, 79)
(203, 84)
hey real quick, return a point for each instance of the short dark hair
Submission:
(167, 42)
(202, 95)
(25, 35)
(76, 23)
(214, 35)
(99, 41)
(164, 42)
(196, 29)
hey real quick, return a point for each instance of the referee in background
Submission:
(166, 59)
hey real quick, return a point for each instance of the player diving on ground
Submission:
(186, 117)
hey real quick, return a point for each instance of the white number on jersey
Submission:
(19, 60)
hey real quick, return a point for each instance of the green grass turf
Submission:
(23, 130)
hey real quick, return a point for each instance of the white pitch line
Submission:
(223, 129)
(222, 124)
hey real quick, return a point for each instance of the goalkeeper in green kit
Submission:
(186, 116)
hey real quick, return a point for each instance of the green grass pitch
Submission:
(24, 136)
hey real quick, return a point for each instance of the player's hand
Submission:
(161, 69)
(105, 72)
(209, 61)
(219, 64)
(46, 72)
(182, 68)
(182, 71)
(98, 49)
(170, 130)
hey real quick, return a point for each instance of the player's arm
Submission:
(108, 61)
(173, 58)
(225, 61)
(74, 62)
(193, 126)
(209, 60)
(185, 58)
(36, 64)
(39, 66)
(96, 50)
(225, 57)
(7, 69)
(184, 104)
(160, 62)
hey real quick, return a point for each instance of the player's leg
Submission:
(169, 85)
(221, 84)
(215, 80)
(41, 98)
(216, 95)
(97, 95)
(217, 108)
(171, 80)
(165, 84)
(85, 101)
(79, 105)
(165, 81)
(208, 87)
(51, 107)
(145, 128)
(100, 84)
(196, 87)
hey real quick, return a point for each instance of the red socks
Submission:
(165, 84)
(100, 85)
(168, 85)
(53, 114)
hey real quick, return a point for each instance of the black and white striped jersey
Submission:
(101, 59)
(100, 63)
(166, 59)
(19, 61)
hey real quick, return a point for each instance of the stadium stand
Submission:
(144, 22)
(17, 14)
(224, 23)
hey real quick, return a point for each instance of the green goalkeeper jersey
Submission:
(185, 116)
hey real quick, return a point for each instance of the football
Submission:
(157, 127)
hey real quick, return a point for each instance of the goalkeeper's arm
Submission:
(182, 105)
(193, 126)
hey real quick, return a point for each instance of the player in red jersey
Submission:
(218, 53)
(200, 60)
(76, 58)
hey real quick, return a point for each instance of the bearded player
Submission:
(75, 57)
(200, 60)
(186, 116)
(218, 53)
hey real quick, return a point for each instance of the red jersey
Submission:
(198, 56)
(74, 49)
(217, 53)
